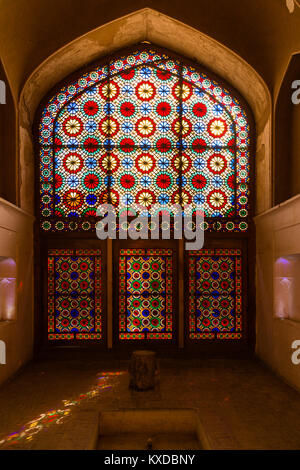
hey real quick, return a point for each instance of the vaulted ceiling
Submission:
(263, 32)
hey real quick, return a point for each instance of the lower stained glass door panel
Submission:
(215, 294)
(145, 294)
(74, 294)
(147, 288)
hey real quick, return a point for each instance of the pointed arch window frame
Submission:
(214, 224)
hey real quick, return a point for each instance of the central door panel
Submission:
(145, 292)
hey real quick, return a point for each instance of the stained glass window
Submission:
(145, 294)
(215, 294)
(143, 128)
(74, 294)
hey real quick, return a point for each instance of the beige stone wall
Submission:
(278, 235)
(16, 241)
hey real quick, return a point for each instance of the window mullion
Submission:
(180, 112)
(108, 111)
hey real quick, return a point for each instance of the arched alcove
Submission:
(149, 25)
(145, 126)
(287, 142)
(8, 174)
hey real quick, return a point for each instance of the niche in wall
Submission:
(287, 287)
(7, 289)
(287, 135)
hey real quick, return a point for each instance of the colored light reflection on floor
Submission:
(50, 417)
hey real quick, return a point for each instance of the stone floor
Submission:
(54, 403)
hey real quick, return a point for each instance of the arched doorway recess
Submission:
(144, 126)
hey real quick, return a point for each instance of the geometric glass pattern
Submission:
(145, 294)
(215, 294)
(143, 128)
(74, 294)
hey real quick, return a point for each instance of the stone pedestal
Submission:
(143, 370)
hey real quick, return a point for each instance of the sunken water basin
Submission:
(158, 429)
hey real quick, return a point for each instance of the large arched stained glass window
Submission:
(143, 128)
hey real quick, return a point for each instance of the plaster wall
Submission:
(277, 235)
(16, 242)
